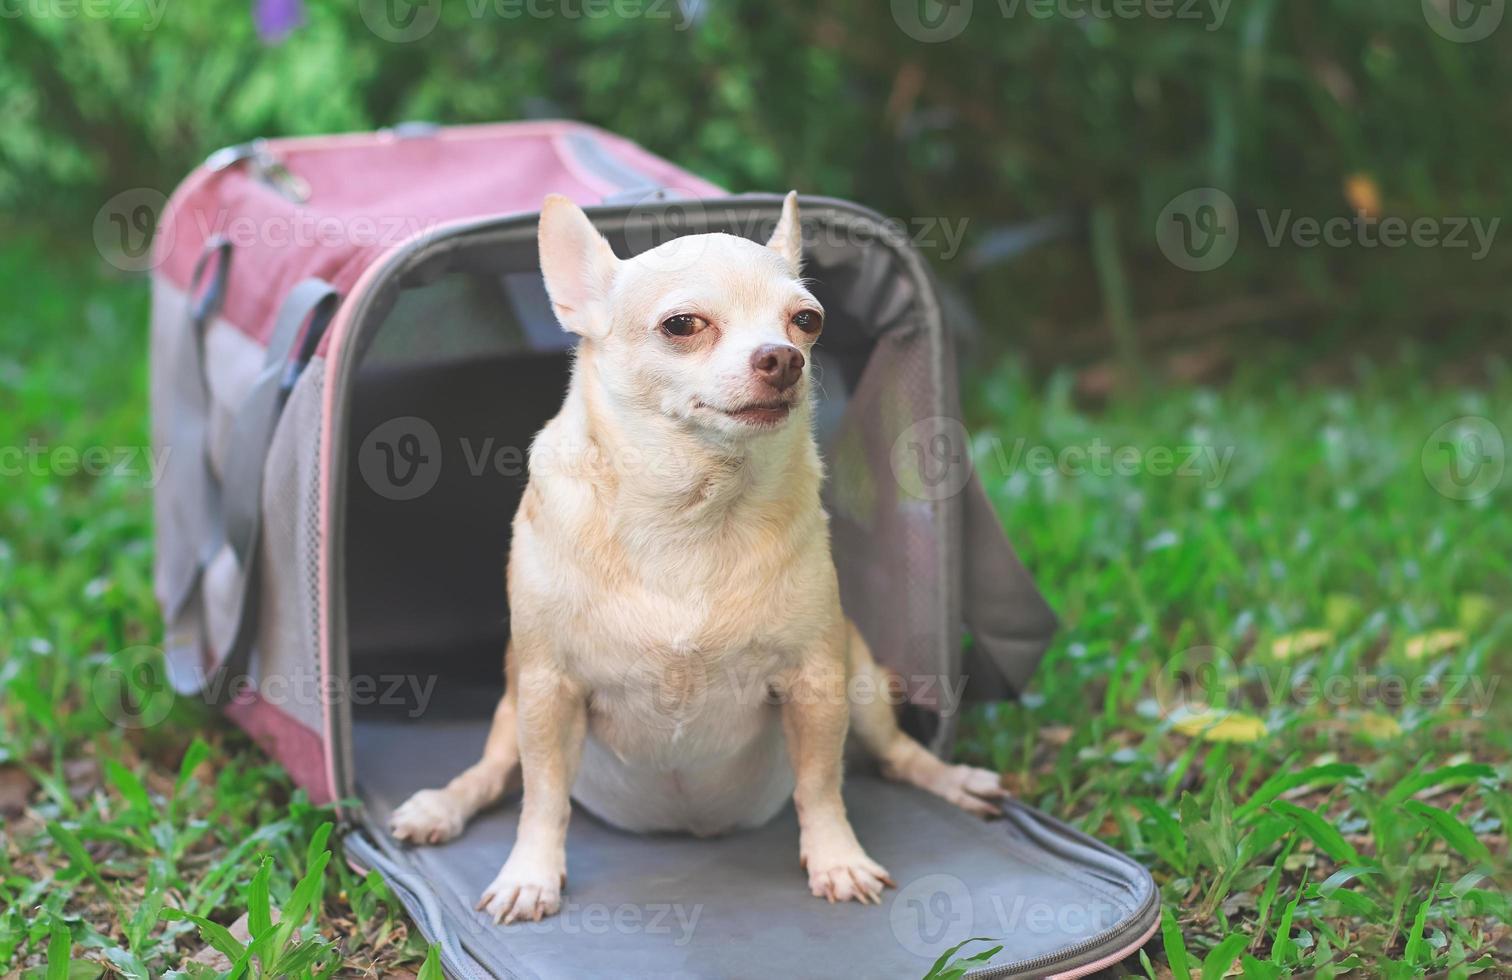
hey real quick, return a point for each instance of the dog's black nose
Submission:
(778, 365)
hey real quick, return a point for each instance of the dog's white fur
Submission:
(678, 658)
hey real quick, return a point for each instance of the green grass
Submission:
(1290, 834)
(1276, 685)
(106, 826)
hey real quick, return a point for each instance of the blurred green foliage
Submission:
(1032, 109)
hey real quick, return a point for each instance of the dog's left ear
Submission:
(578, 266)
(787, 240)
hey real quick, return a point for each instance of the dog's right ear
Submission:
(578, 266)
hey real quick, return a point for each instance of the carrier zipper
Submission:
(1039, 965)
(590, 151)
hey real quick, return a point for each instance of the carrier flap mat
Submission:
(738, 906)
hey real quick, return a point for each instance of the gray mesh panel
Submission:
(286, 661)
(885, 539)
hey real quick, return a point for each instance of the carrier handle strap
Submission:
(313, 300)
(189, 427)
(205, 304)
(200, 492)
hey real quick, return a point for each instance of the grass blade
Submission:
(1318, 830)
(935, 971)
(194, 757)
(1418, 949)
(59, 947)
(1217, 963)
(1281, 949)
(1175, 948)
(1417, 781)
(212, 932)
(1282, 783)
(1451, 830)
(431, 968)
(259, 906)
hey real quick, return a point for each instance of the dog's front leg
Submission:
(552, 719)
(814, 718)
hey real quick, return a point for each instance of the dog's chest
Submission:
(667, 680)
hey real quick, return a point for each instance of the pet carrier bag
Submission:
(351, 350)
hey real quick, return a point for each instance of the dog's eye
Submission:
(809, 321)
(684, 325)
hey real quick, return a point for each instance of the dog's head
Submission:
(712, 331)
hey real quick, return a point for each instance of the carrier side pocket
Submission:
(232, 576)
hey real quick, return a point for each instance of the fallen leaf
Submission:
(1221, 726)
(1363, 194)
(1378, 726)
(1434, 643)
(1303, 641)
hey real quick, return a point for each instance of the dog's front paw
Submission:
(428, 817)
(524, 890)
(847, 876)
(974, 790)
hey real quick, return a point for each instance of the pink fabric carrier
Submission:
(351, 350)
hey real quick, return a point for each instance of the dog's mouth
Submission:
(762, 414)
